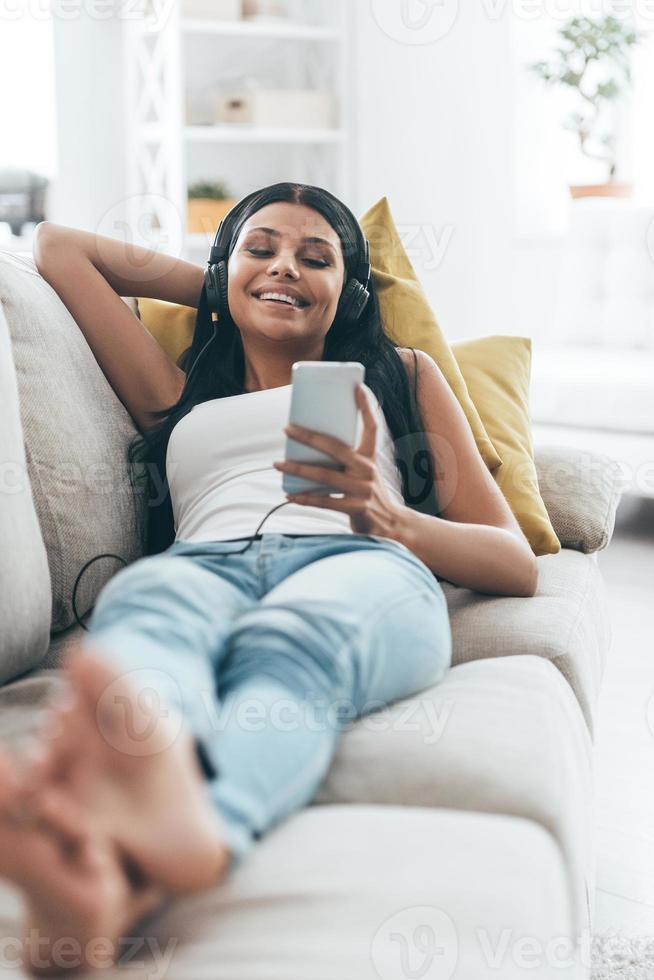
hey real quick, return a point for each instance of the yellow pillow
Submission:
(408, 318)
(497, 371)
(171, 325)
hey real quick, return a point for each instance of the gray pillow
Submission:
(76, 433)
(581, 491)
(24, 577)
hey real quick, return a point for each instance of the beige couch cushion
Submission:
(566, 622)
(363, 893)
(489, 844)
(76, 432)
(24, 577)
(501, 736)
(581, 491)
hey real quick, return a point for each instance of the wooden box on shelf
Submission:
(265, 10)
(204, 214)
(303, 108)
(288, 108)
(234, 108)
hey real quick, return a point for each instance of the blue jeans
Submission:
(267, 655)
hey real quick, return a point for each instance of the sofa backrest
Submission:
(77, 433)
(25, 602)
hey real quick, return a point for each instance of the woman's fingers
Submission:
(341, 482)
(368, 445)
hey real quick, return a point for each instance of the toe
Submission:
(29, 857)
(147, 900)
(63, 815)
(89, 673)
(59, 733)
(57, 748)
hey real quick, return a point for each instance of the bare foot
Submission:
(79, 899)
(133, 769)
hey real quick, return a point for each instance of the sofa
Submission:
(452, 836)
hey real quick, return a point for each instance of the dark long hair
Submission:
(221, 371)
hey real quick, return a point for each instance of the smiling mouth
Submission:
(283, 304)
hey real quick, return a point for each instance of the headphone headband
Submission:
(218, 248)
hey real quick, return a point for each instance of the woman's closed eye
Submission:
(261, 253)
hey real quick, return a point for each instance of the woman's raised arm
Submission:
(90, 273)
(130, 270)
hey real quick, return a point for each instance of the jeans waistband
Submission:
(257, 537)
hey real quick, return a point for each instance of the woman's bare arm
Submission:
(477, 543)
(90, 273)
(130, 270)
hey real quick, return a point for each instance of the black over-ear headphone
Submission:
(351, 304)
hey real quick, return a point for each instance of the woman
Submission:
(221, 668)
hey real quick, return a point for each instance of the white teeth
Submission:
(280, 296)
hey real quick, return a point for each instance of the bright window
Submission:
(27, 82)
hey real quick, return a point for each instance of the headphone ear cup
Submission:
(359, 301)
(212, 288)
(223, 310)
(352, 302)
(215, 280)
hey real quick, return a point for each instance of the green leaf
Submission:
(608, 90)
(216, 190)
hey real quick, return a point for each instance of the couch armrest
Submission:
(581, 491)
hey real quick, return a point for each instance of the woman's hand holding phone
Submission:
(365, 495)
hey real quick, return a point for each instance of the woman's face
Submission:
(299, 255)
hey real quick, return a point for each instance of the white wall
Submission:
(450, 130)
(462, 139)
(434, 136)
(90, 120)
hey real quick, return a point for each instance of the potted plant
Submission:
(593, 60)
(207, 205)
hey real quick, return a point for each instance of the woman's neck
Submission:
(263, 370)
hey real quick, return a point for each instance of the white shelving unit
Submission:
(242, 133)
(300, 32)
(171, 59)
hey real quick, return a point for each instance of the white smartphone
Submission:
(322, 399)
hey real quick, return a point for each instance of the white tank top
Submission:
(221, 478)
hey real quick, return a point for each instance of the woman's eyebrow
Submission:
(313, 239)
